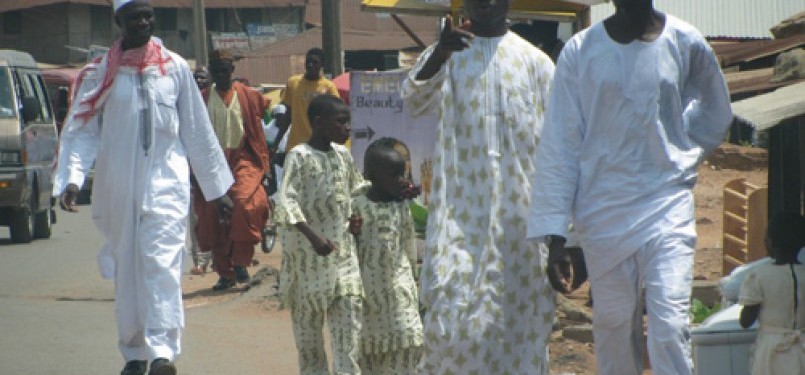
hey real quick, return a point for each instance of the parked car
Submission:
(28, 144)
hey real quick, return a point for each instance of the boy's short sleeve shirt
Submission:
(317, 188)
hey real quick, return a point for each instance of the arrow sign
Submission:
(367, 133)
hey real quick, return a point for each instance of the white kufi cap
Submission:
(120, 3)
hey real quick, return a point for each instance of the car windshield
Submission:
(6, 94)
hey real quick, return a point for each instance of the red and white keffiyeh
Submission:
(151, 54)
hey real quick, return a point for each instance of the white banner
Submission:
(379, 111)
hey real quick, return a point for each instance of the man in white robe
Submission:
(139, 116)
(637, 102)
(488, 306)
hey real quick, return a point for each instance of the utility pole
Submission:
(199, 33)
(331, 36)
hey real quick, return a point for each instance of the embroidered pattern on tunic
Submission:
(489, 307)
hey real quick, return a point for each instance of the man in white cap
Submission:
(139, 116)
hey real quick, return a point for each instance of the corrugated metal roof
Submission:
(732, 53)
(733, 18)
(753, 81)
(7, 5)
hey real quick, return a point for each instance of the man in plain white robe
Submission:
(139, 116)
(637, 102)
(488, 306)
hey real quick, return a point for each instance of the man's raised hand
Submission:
(452, 38)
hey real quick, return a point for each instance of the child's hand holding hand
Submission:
(322, 246)
(411, 191)
(355, 224)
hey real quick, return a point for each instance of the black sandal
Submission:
(223, 284)
(134, 368)
(162, 366)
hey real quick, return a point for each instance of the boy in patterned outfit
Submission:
(392, 329)
(320, 275)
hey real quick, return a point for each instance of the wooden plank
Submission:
(734, 239)
(751, 186)
(735, 250)
(734, 206)
(736, 184)
(735, 194)
(728, 215)
(733, 225)
(729, 264)
(767, 110)
(757, 222)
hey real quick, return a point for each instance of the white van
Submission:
(28, 146)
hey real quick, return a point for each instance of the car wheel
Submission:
(43, 222)
(22, 224)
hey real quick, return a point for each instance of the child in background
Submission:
(320, 275)
(392, 329)
(774, 294)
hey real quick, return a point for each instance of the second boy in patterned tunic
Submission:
(392, 329)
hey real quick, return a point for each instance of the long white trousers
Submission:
(148, 290)
(152, 344)
(664, 267)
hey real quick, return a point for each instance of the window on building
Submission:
(100, 21)
(12, 22)
(167, 19)
(214, 19)
(250, 16)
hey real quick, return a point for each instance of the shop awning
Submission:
(548, 9)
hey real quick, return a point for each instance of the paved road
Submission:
(57, 314)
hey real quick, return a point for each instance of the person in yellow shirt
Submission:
(300, 90)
